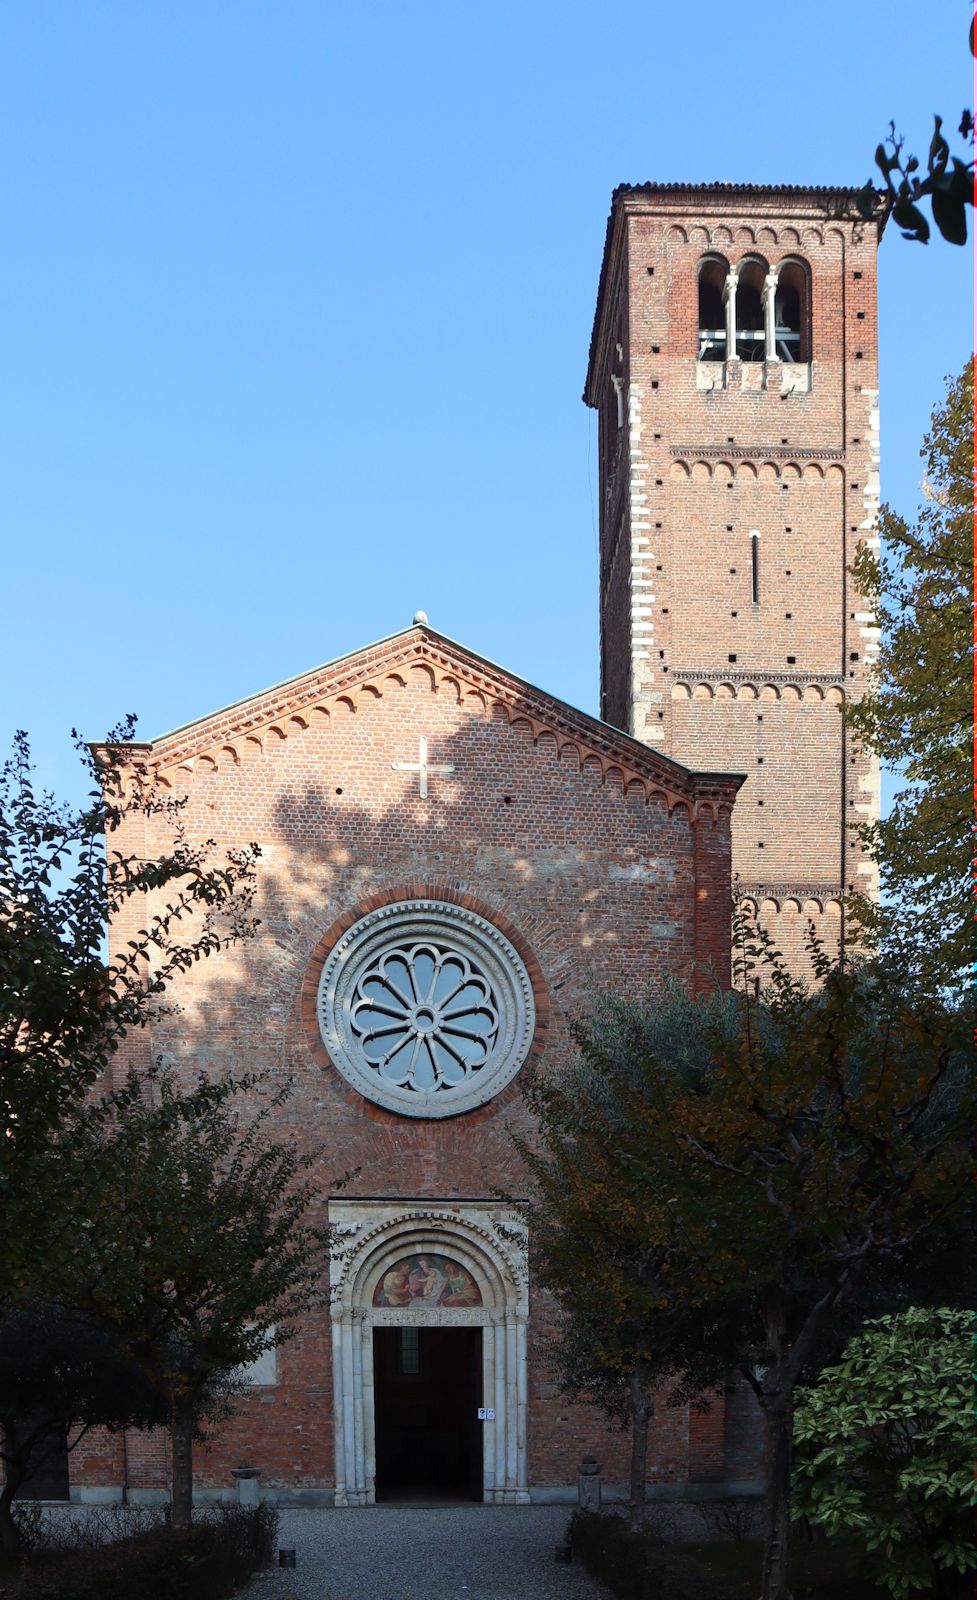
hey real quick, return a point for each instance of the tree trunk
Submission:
(15, 1471)
(10, 1540)
(641, 1413)
(181, 1435)
(778, 1414)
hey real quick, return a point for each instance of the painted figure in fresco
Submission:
(394, 1287)
(460, 1288)
(428, 1280)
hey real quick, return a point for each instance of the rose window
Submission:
(426, 1008)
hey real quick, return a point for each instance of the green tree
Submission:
(61, 1373)
(885, 1450)
(804, 1165)
(918, 713)
(947, 184)
(202, 1243)
(65, 873)
(602, 1247)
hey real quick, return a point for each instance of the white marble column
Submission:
(770, 315)
(729, 300)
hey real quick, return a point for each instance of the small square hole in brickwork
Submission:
(856, 274)
(730, 439)
(656, 349)
(657, 524)
(854, 486)
(657, 435)
(660, 715)
(856, 441)
(853, 655)
(791, 661)
(664, 611)
(729, 527)
(759, 802)
(788, 615)
(654, 383)
(732, 572)
(787, 572)
(788, 530)
(650, 271)
(759, 716)
(734, 613)
(759, 761)
(658, 483)
(661, 655)
(783, 441)
(760, 845)
(858, 355)
(730, 658)
(860, 315)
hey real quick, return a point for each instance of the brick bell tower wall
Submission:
(739, 469)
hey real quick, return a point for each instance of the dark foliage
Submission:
(210, 1562)
(641, 1566)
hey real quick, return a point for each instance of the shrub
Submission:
(616, 1555)
(210, 1562)
(885, 1450)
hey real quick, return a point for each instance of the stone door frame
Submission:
(490, 1241)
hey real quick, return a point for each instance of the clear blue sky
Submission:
(295, 302)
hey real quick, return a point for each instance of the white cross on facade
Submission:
(422, 767)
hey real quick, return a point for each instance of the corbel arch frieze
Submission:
(467, 683)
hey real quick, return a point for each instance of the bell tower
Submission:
(734, 370)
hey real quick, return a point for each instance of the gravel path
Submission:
(414, 1553)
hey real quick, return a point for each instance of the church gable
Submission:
(324, 700)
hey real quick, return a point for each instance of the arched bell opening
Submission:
(750, 328)
(793, 311)
(712, 274)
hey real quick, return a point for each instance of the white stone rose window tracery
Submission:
(426, 1008)
(424, 1016)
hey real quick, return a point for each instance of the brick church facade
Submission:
(454, 862)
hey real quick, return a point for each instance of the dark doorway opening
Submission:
(427, 1389)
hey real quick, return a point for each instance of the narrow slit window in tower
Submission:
(755, 564)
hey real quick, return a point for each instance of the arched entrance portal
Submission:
(440, 1294)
